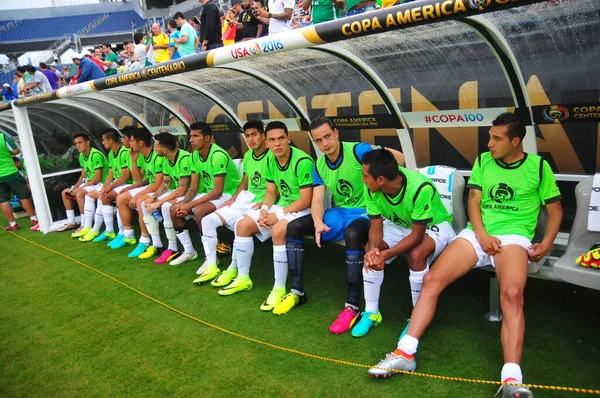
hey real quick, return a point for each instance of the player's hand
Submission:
(257, 206)
(182, 210)
(269, 220)
(132, 203)
(537, 251)
(490, 244)
(134, 155)
(263, 214)
(77, 191)
(319, 229)
(228, 202)
(372, 259)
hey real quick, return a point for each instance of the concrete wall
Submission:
(52, 12)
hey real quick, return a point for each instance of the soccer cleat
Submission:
(116, 240)
(66, 227)
(104, 236)
(273, 299)
(223, 249)
(11, 228)
(225, 278)
(35, 228)
(200, 270)
(396, 360)
(405, 329)
(367, 321)
(240, 284)
(210, 272)
(288, 302)
(89, 236)
(344, 321)
(165, 256)
(123, 241)
(80, 232)
(183, 258)
(512, 391)
(138, 251)
(590, 258)
(150, 252)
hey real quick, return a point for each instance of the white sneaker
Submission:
(183, 257)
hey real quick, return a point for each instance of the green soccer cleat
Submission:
(90, 236)
(273, 299)
(288, 302)
(225, 278)
(116, 240)
(240, 284)
(138, 251)
(210, 273)
(124, 242)
(104, 236)
(80, 232)
(367, 321)
(149, 253)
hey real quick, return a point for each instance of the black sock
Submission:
(354, 266)
(295, 253)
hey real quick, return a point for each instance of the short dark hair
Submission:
(126, 42)
(167, 140)
(21, 69)
(142, 134)
(254, 124)
(172, 23)
(261, 2)
(179, 14)
(516, 126)
(111, 134)
(319, 121)
(196, 20)
(30, 68)
(43, 65)
(236, 2)
(203, 127)
(107, 45)
(128, 130)
(276, 125)
(82, 135)
(381, 163)
(138, 36)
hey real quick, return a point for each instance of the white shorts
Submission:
(236, 211)
(482, 258)
(217, 202)
(164, 195)
(120, 188)
(442, 234)
(135, 191)
(91, 188)
(264, 233)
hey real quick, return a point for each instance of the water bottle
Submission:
(157, 216)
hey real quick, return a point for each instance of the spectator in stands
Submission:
(173, 35)
(195, 22)
(21, 90)
(51, 76)
(40, 83)
(355, 7)
(140, 47)
(7, 92)
(15, 85)
(130, 59)
(210, 26)
(88, 70)
(160, 44)
(249, 26)
(236, 9)
(186, 43)
(324, 10)
(110, 60)
(278, 17)
(229, 29)
(56, 71)
(96, 57)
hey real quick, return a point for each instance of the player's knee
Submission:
(243, 227)
(513, 296)
(353, 238)
(432, 284)
(417, 258)
(294, 230)
(279, 231)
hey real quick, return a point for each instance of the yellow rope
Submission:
(302, 353)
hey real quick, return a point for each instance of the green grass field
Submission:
(66, 330)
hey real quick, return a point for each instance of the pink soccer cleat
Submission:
(344, 321)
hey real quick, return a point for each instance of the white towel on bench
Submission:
(594, 209)
(442, 177)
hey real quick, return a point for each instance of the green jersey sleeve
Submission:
(422, 212)
(373, 209)
(549, 191)
(304, 170)
(475, 179)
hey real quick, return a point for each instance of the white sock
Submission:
(98, 217)
(145, 240)
(12, 223)
(107, 213)
(129, 234)
(416, 281)
(152, 226)
(71, 216)
(210, 224)
(372, 281)
(511, 370)
(233, 264)
(408, 344)
(186, 241)
(280, 264)
(33, 218)
(244, 249)
(89, 207)
(171, 235)
(119, 223)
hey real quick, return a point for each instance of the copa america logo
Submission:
(255, 48)
(556, 113)
(479, 4)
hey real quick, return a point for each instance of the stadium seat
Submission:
(451, 186)
(580, 241)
